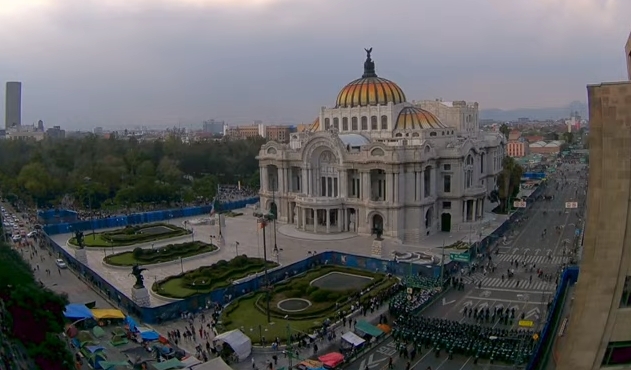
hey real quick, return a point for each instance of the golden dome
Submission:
(414, 118)
(370, 89)
(315, 125)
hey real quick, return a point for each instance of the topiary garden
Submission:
(325, 299)
(208, 278)
(168, 253)
(130, 235)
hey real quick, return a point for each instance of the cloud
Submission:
(160, 62)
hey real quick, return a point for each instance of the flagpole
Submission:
(217, 211)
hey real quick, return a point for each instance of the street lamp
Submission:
(236, 248)
(263, 219)
(88, 180)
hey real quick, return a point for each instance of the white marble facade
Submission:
(411, 177)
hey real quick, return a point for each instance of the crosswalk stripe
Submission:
(512, 284)
(556, 260)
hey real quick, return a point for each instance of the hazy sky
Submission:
(85, 63)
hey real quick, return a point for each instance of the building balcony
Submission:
(315, 202)
(475, 191)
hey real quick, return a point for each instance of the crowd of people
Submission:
(475, 340)
(418, 291)
(233, 193)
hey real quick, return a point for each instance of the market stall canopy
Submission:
(239, 342)
(369, 329)
(173, 363)
(311, 364)
(332, 359)
(353, 339)
(216, 363)
(110, 365)
(106, 313)
(385, 328)
(77, 311)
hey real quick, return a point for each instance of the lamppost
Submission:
(442, 261)
(88, 181)
(236, 248)
(274, 213)
(263, 219)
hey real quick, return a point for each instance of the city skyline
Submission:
(84, 64)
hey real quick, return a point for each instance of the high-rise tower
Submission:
(13, 105)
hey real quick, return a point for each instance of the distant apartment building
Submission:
(518, 148)
(98, 131)
(514, 135)
(55, 133)
(13, 105)
(276, 132)
(213, 127)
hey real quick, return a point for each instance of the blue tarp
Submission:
(149, 335)
(93, 349)
(77, 311)
(132, 324)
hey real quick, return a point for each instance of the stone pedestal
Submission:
(222, 220)
(81, 256)
(140, 296)
(221, 241)
(376, 248)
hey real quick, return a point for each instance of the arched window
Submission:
(336, 123)
(373, 123)
(384, 122)
(345, 124)
(364, 123)
(354, 124)
(468, 171)
(432, 134)
(327, 123)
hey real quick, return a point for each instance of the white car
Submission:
(16, 238)
(31, 234)
(60, 263)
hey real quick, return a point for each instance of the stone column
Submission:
(466, 210)
(315, 220)
(343, 183)
(421, 175)
(365, 190)
(304, 218)
(396, 188)
(389, 187)
(340, 220)
(328, 219)
(303, 186)
(417, 186)
(264, 178)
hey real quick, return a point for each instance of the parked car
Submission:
(60, 263)
(16, 238)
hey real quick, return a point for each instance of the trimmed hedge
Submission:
(130, 235)
(167, 253)
(323, 300)
(218, 275)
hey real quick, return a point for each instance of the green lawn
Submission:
(247, 318)
(128, 259)
(100, 239)
(243, 314)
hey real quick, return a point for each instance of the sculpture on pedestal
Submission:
(78, 235)
(377, 230)
(137, 272)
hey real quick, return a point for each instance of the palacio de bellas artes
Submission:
(375, 161)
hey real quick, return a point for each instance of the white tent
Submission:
(353, 339)
(216, 363)
(239, 342)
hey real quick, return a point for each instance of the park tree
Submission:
(36, 313)
(568, 137)
(124, 171)
(508, 182)
(505, 130)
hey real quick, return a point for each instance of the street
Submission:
(525, 292)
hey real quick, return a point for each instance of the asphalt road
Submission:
(526, 245)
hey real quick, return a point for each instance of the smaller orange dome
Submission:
(315, 125)
(414, 118)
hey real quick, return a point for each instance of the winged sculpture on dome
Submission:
(368, 51)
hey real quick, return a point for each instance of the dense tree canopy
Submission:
(509, 181)
(36, 313)
(123, 171)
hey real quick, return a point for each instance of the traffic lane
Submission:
(60, 280)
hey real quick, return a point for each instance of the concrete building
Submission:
(545, 148)
(213, 127)
(55, 133)
(276, 132)
(13, 105)
(375, 160)
(599, 331)
(517, 148)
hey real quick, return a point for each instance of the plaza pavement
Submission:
(293, 245)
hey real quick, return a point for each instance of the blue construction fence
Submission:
(135, 218)
(224, 295)
(546, 337)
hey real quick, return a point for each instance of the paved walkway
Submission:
(294, 246)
